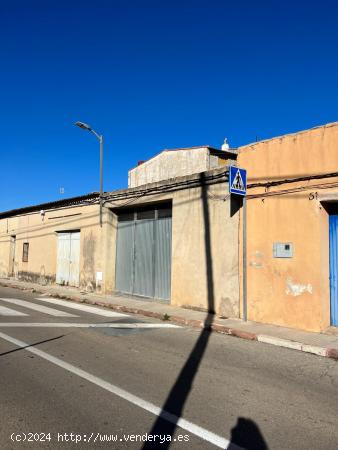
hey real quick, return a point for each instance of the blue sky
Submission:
(151, 75)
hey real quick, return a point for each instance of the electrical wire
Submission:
(293, 190)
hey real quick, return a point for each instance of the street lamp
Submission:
(84, 126)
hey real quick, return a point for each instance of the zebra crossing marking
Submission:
(36, 307)
(82, 307)
(10, 312)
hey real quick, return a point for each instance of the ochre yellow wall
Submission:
(290, 291)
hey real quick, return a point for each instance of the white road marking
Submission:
(35, 307)
(10, 312)
(82, 307)
(86, 325)
(202, 433)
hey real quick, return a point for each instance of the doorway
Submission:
(12, 245)
(68, 258)
(333, 231)
(143, 252)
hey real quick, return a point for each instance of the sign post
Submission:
(237, 186)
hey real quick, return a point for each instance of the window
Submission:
(148, 212)
(164, 212)
(25, 252)
(145, 214)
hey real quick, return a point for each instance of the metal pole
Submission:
(245, 304)
(101, 178)
(85, 126)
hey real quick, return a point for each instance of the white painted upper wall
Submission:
(172, 164)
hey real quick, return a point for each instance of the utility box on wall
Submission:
(282, 250)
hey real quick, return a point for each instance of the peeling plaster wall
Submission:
(293, 291)
(296, 289)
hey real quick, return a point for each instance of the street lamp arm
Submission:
(87, 127)
(99, 136)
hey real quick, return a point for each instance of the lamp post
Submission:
(84, 126)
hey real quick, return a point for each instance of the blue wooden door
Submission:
(334, 269)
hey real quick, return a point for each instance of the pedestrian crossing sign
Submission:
(237, 181)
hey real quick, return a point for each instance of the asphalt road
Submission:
(63, 381)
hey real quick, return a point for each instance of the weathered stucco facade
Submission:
(204, 272)
(170, 164)
(291, 178)
(292, 196)
(204, 249)
(40, 231)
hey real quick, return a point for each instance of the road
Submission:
(131, 379)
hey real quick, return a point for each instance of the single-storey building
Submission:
(167, 237)
(292, 207)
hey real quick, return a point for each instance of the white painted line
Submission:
(320, 351)
(279, 342)
(10, 312)
(35, 307)
(202, 433)
(83, 307)
(128, 326)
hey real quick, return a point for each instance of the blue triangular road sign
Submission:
(237, 181)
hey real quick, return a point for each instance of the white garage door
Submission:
(68, 258)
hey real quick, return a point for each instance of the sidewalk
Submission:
(320, 344)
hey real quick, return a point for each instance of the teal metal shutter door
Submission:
(163, 258)
(334, 269)
(125, 257)
(144, 261)
(143, 252)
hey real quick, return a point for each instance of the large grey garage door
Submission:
(143, 254)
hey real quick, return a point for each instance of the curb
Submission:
(201, 324)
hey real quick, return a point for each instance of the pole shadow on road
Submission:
(245, 430)
(174, 404)
(31, 345)
(246, 434)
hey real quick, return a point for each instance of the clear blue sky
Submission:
(151, 75)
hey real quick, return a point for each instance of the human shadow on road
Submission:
(246, 435)
(31, 345)
(172, 409)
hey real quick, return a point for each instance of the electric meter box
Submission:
(282, 250)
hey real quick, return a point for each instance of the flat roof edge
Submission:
(242, 148)
(49, 205)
